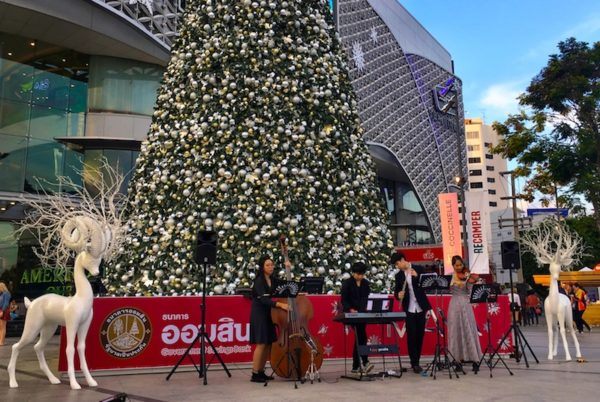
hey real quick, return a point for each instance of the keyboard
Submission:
(370, 318)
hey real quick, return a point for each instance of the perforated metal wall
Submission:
(396, 104)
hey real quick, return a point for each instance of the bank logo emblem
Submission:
(125, 332)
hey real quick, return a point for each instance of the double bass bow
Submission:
(295, 350)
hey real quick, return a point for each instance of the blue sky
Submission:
(498, 46)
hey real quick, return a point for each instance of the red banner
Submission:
(150, 332)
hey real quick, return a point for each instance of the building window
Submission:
(489, 156)
(474, 160)
(491, 180)
(489, 168)
(477, 185)
(493, 204)
(472, 135)
(488, 144)
(475, 172)
(475, 147)
(491, 191)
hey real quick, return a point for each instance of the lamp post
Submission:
(459, 184)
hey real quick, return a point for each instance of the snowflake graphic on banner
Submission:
(323, 329)
(494, 309)
(358, 56)
(327, 350)
(487, 327)
(504, 346)
(374, 35)
(335, 308)
(373, 340)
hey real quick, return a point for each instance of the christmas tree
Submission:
(255, 135)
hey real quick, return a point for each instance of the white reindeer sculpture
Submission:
(552, 243)
(89, 226)
(86, 237)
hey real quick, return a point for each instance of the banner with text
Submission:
(450, 228)
(477, 226)
(153, 332)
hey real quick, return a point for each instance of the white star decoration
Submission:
(147, 3)
(323, 329)
(358, 56)
(374, 35)
(327, 350)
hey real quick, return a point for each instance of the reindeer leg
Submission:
(569, 321)
(564, 338)
(70, 350)
(550, 325)
(555, 347)
(39, 347)
(30, 332)
(81, 335)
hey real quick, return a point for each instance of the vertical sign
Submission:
(478, 226)
(450, 228)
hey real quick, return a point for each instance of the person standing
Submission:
(533, 305)
(579, 306)
(262, 329)
(415, 304)
(515, 304)
(463, 337)
(4, 311)
(355, 293)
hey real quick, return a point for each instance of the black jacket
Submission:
(261, 292)
(419, 292)
(354, 296)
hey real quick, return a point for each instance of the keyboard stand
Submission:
(361, 376)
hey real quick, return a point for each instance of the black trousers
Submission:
(415, 330)
(579, 321)
(360, 332)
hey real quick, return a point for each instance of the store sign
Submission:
(477, 226)
(445, 96)
(450, 228)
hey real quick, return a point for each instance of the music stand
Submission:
(442, 358)
(312, 284)
(519, 339)
(487, 293)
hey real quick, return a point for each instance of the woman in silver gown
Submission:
(463, 337)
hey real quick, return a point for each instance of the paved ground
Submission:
(547, 381)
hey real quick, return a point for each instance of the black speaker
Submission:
(206, 247)
(510, 255)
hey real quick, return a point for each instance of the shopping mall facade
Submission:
(78, 81)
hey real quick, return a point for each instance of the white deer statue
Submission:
(89, 228)
(553, 243)
(46, 313)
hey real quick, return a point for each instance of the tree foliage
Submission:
(555, 138)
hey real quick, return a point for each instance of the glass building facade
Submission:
(47, 92)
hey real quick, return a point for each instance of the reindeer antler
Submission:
(553, 241)
(48, 216)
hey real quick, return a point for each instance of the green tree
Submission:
(255, 134)
(555, 137)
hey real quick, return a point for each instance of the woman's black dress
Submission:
(262, 329)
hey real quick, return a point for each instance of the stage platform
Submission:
(547, 381)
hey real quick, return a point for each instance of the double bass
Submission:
(295, 352)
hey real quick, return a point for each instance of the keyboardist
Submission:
(355, 293)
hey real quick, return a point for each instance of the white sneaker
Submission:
(368, 368)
